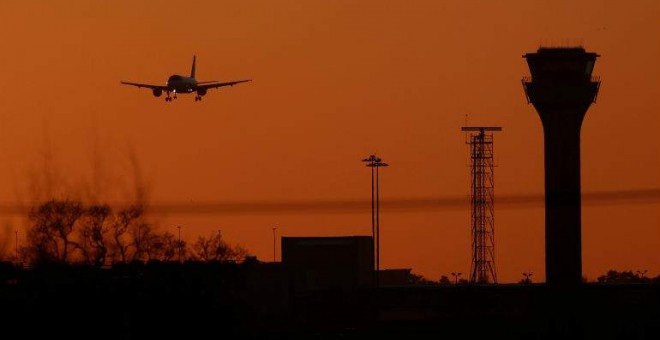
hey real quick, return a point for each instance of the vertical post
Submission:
(377, 229)
(274, 244)
(456, 275)
(375, 162)
(370, 161)
(373, 224)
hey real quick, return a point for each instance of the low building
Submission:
(328, 263)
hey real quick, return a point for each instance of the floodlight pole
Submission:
(375, 162)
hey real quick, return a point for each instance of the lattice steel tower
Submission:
(482, 200)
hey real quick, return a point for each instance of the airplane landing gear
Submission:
(168, 99)
(198, 98)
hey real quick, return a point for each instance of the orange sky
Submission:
(333, 82)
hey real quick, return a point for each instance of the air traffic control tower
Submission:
(561, 88)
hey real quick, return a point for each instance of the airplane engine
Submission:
(158, 92)
(201, 91)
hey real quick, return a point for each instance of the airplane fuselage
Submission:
(181, 84)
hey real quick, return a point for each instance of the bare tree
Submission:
(139, 232)
(95, 227)
(119, 228)
(52, 224)
(625, 276)
(215, 248)
(444, 280)
(147, 242)
(165, 247)
(203, 249)
(238, 253)
(66, 231)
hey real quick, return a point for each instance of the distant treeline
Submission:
(68, 231)
(612, 276)
(627, 276)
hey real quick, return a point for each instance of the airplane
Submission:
(182, 84)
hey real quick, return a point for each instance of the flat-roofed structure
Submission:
(328, 263)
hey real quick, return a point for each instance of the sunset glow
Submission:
(332, 82)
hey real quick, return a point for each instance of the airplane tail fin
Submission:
(192, 72)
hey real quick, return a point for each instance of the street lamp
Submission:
(374, 163)
(456, 275)
(641, 273)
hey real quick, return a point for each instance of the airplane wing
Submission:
(216, 85)
(153, 87)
